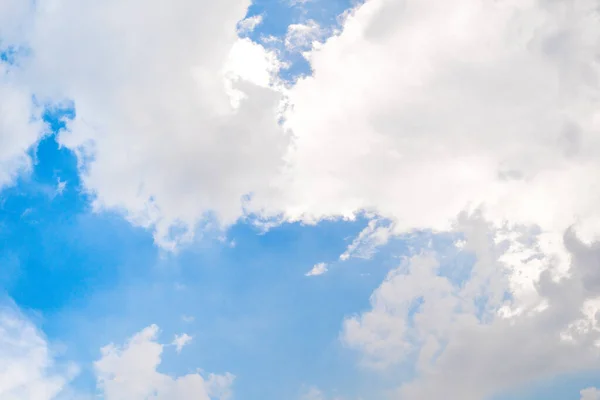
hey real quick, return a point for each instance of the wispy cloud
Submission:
(317, 269)
(248, 25)
(180, 341)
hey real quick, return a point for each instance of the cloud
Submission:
(302, 37)
(317, 269)
(590, 394)
(248, 25)
(171, 127)
(299, 2)
(313, 393)
(14, 21)
(187, 318)
(375, 235)
(416, 112)
(472, 338)
(20, 125)
(180, 341)
(413, 117)
(129, 372)
(28, 368)
(60, 187)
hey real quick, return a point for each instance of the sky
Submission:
(299, 200)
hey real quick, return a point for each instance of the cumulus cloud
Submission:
(476, 328)
(28, 369)
(171, 127)
(419, 110)
(129, 372)
(459, 105)
(415, 121)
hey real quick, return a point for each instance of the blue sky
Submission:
(414, 271)
(91, 278)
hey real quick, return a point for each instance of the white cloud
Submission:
(472, 335)
(14, 21)
(20, 119)
(129, 372)
(368, 240)
(155, 130)
(502, 118)
(413, 117)
(247, 25)
(180, 341)
(60, 187)
(420, 110)
(590, 394)
(28, 369)
(20, 126)
(314, 393)
(302, 37)
(317, 269)
(417, 111)
(249, 62)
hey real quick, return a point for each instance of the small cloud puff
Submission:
(180, 341)
(317, 269)
(60, 187)
(248, 25)
(187, 318)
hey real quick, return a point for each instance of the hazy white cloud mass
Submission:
(470, 116)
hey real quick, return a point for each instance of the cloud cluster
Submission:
(471, 335)
(20, 124)
(29, 368)
(175, 120)
(420, 111)
(451, 108)
(129, 373)
(416, 111)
